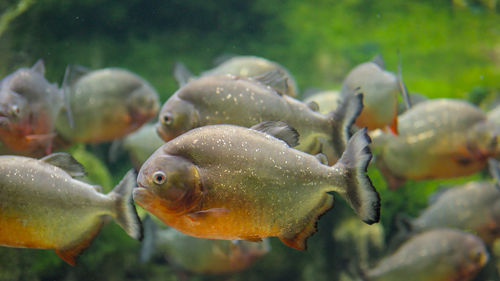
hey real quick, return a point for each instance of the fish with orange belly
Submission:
(235, 183)
(29, 107)
(43, 207)
(380, 89)
(106, 104)
(439, 138)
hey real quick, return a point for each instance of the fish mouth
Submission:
(161, 133)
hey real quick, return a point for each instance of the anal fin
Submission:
(69, 254)
(298, 240)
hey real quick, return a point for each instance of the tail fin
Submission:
(359, 193)
(148, 244)
(126, 215)
(344, 116)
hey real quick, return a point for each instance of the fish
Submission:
(243, 66)
(107, 104)
(229, 99)
(380, 89)
(207, 256)
(473, 207)
(326, 101)
(43, 206)
(434, 255)
(141, 144)
(29, 107)
(235, 183)
(438, 138)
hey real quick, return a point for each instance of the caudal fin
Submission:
(359, 193)
(126, 215)
(343, 118)
(148, 244)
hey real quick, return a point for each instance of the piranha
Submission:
(380, 89)
(200, 255)
(141, 144)
(234, 183)
(42, 206)
(106, 104)
(326, 101)
(435, 255)
(29, 106)
(439, 138)
(245, 66)
(479, 205)
(229, 99)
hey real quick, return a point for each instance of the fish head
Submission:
(172, 181)
(474, 257)
(483, 139)
(176, 117)
(13, 106)
(144, 103)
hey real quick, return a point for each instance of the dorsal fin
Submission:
(280, 130)
(66, 162)
(182, 74)
(379, 60)
(275, 79)
(39, 67)
(224, 58)
(72, 74)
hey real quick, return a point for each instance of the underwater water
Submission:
(446, 49)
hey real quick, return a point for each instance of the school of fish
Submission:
(234, 157)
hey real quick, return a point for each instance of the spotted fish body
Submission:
(107, 104)
(434, 255)
(250, 66)
(203, 255)
(229, 182)
(473, 207)
(439, 138)
(29, 106)
(228, 99)
(43, 207)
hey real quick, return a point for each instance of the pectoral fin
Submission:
(217, 212)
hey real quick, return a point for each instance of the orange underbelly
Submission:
(16, 233)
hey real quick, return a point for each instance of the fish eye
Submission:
(167, 119)
(159, 177)
(15, 110)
